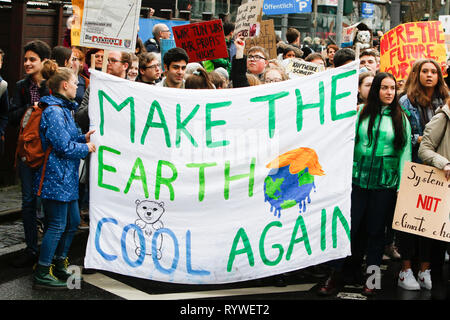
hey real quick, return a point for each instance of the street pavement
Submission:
(16, 284)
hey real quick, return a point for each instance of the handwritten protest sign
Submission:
(202, 41)
(402, 46)
(220, 186)
(423, 204)
(248, 19)
(299, 68)
(110, 25)
(75, 31)
(266, 39)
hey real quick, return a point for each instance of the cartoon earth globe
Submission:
(291, 180)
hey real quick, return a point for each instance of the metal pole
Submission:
(339, 15)
(395, 13)
(284, 26)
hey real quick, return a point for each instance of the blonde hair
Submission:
(253, 80)
(55, 75)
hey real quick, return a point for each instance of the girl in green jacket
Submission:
(382, 146)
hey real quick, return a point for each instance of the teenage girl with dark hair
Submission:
(381, 148)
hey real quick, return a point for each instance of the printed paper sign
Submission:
(77, 7)
(266, 39)
(299, 68)
(247, 19)
(402, 46)
(110, 25)
(220, 186)
(202, 41)
(423, 204)
(348, 34)
(272, 7)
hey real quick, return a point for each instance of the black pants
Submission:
(437, 260)
(414, 246)
(369, 211)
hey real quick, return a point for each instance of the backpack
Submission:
(29, 146)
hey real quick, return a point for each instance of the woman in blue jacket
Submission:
(60, 185)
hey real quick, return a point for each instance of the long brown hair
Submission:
(373, 108)
(199, 80)
(416, 92)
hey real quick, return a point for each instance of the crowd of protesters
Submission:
(397, 121)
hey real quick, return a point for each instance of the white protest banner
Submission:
(220, 186)
(110, 25)
(300, 68)
(423, 204)
(247, 19)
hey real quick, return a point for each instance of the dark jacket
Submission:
(238, 72)
(21, 100)
(4, 107)
(151, 45)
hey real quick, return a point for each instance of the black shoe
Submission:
(331, 286)
(279, 281)
(27, 258)
(88, 271)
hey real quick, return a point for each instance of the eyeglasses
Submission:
(256, 58)
(112, 60)
(153, 66)
(165, 30)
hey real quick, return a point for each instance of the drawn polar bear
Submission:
(149, 213)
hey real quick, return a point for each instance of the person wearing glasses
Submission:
(118, 65)
(149, 68)
(160, 31)
(255, 63)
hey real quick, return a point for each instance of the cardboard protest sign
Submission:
(300, 68)
(110, 25)
(266, 39)
(77, 7)
(423, 204)
(220, 186)
(248, 19)
(402, 46)
(202, 41)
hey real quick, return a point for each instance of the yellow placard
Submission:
(75, 31)
(402, 46)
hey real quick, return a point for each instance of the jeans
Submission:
(61, 221)
(29, 205)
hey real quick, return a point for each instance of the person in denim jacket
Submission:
(60, 184)
(426, 91)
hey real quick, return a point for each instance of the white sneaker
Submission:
(407, 281)
(424, 279)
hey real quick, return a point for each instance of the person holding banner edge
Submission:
(434, 150)
(381, 149)
(59, 196)
(425, 93)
